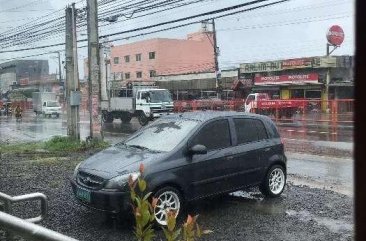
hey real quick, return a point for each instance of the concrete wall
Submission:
(172, 56)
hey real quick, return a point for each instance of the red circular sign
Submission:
(335, 35)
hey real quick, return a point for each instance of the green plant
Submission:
(143, 211)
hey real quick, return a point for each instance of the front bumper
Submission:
(52, 112)
(106, 201)
(157, 115)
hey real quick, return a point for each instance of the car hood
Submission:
(116, 161)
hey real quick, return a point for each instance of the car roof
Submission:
(208, 115)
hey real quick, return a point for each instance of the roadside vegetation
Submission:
(56, 145)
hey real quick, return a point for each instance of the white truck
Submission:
(141, 101)
(46, 103)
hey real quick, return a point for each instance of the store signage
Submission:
(297, 63)
(23, 81)
(286, 79)
(335, 35)
(260, 67)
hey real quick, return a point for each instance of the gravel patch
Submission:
(301, 213)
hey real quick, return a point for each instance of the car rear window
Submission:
(214, 135)
(249, 130)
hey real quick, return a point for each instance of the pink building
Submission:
(140, 61)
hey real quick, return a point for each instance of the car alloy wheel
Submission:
(276, 181)
(168, 200)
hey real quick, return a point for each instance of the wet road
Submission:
(39, 128)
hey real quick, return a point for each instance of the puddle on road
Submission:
(256, 201)
(335, 226)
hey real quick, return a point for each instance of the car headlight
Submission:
(76, 170)
(120, 181)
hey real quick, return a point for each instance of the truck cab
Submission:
(251, 101)
(51, 108)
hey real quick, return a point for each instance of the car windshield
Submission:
(160, 96)
(163, 135)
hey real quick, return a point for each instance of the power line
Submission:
(163, 23)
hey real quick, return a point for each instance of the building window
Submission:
(116, 60)
(152, 73)
(127, 75)
(152, 55)
(138, 57)
(127, 58)
(139, 74)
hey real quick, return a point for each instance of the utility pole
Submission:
(59, 66)
(72, 80)
(217, 71)
(94, 70)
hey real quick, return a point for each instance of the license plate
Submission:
(83, 194)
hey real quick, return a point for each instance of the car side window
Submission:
(249, 130)
(215, 135)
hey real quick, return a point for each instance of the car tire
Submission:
(143, 119)
(107, 117)
(126, 118)
(168, 198)
(274, 182)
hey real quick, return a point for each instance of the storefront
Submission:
(301, 78)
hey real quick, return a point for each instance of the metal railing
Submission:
(9, 200)
(26, 227)
(30, 231)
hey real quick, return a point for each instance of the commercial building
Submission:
(198, 85)
(141, 61)
(21, 77)
(314, 77)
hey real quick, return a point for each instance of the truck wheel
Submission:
(126, 118)
(107, 117)
(143, 119)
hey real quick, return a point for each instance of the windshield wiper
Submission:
(138, 147)
(142, 148)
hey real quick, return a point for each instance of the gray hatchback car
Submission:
(187, 157)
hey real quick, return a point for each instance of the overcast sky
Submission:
(296, 28)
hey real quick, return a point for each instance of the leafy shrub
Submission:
(65, 143)
(143, 212)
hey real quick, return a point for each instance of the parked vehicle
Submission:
(187, 156)
(46, 103)
(144, 102)
(260, 103)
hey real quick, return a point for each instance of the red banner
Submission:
(297, 63)
(286, 79)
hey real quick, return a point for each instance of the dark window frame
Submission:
(127, 58)
(138, 57)
(152, 55)
(116, 60)
(259, 121)
(127, 75)
(197, 132)
(152, 73)
(138, 74)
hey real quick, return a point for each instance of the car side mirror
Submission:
(197, 150)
